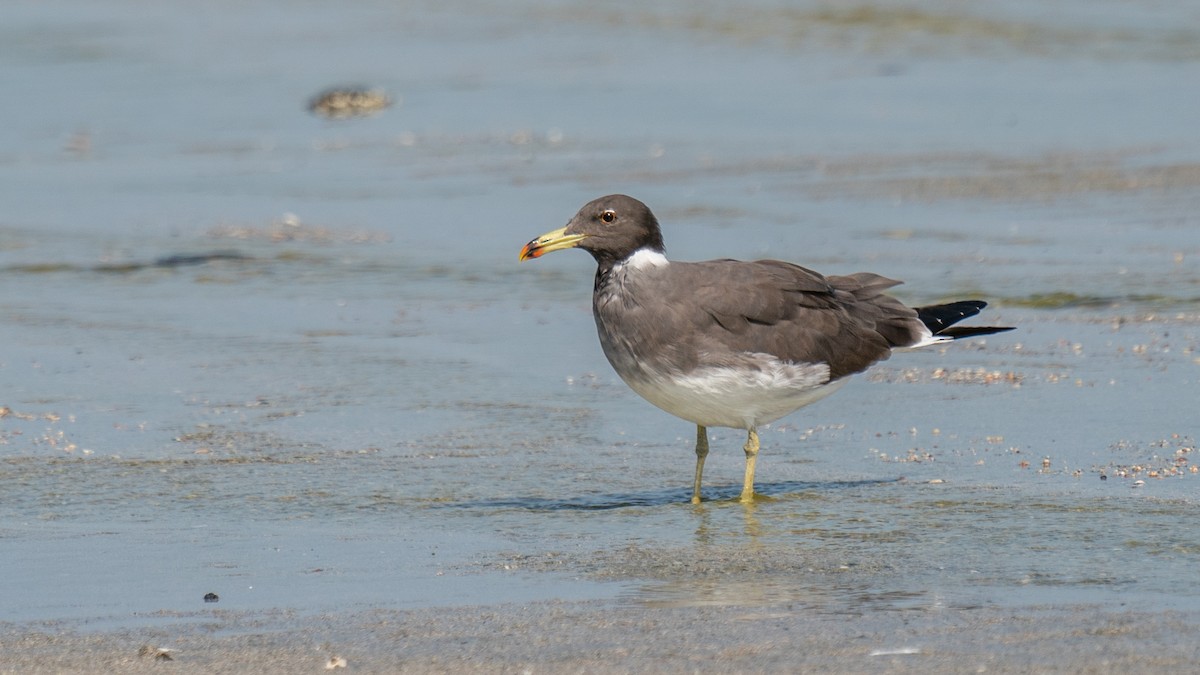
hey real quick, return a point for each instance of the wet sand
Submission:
(291, 360)
(600, 637)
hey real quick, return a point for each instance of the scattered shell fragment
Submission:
(157, 653)
(899, 651)
(335, 662)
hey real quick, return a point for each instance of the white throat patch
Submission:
(643, 258)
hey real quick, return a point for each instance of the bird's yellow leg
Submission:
(751, 449)
(701, 453)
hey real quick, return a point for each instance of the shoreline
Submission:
(611, 637)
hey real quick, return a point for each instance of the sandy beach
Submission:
(265, 336)
(596, 637)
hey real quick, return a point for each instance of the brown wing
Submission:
(788, 311)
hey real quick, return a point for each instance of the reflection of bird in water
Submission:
(730, 343)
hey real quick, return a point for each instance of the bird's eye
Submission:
(608, 216)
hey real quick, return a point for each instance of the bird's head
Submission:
(610, 228)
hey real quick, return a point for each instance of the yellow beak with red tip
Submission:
(551, 241)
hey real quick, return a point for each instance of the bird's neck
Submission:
(609, 270)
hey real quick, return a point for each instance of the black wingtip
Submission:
(940, 319)
(956, 332)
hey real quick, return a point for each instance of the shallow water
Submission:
(353, 396)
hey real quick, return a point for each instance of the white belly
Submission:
(737, 398)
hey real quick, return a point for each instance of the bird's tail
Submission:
(940, 320)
